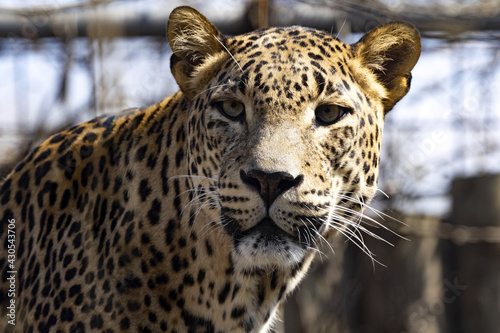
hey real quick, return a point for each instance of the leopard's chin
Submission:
(265, 244)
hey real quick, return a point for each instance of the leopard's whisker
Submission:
(230, 54)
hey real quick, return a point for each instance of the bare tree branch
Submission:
(63, 22)
(44, 10)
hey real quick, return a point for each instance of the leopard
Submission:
(201, 213)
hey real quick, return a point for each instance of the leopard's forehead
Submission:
(289, 39)
(295, 48)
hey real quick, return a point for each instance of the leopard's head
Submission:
(285, 128)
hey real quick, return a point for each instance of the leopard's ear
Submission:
(193, 39)
(390, 52)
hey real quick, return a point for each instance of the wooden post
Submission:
(351, 294)
(403, 297)
(474, 293)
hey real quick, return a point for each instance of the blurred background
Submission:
(435, 267)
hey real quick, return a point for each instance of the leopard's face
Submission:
(290, 142)
(285, 129)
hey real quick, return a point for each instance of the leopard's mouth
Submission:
(264, 245)
(266, 233)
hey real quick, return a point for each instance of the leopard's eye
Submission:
(232, 109)
(328, 114)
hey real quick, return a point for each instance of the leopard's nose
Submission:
(270, 185)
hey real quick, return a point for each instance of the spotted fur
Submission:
(202, 212)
